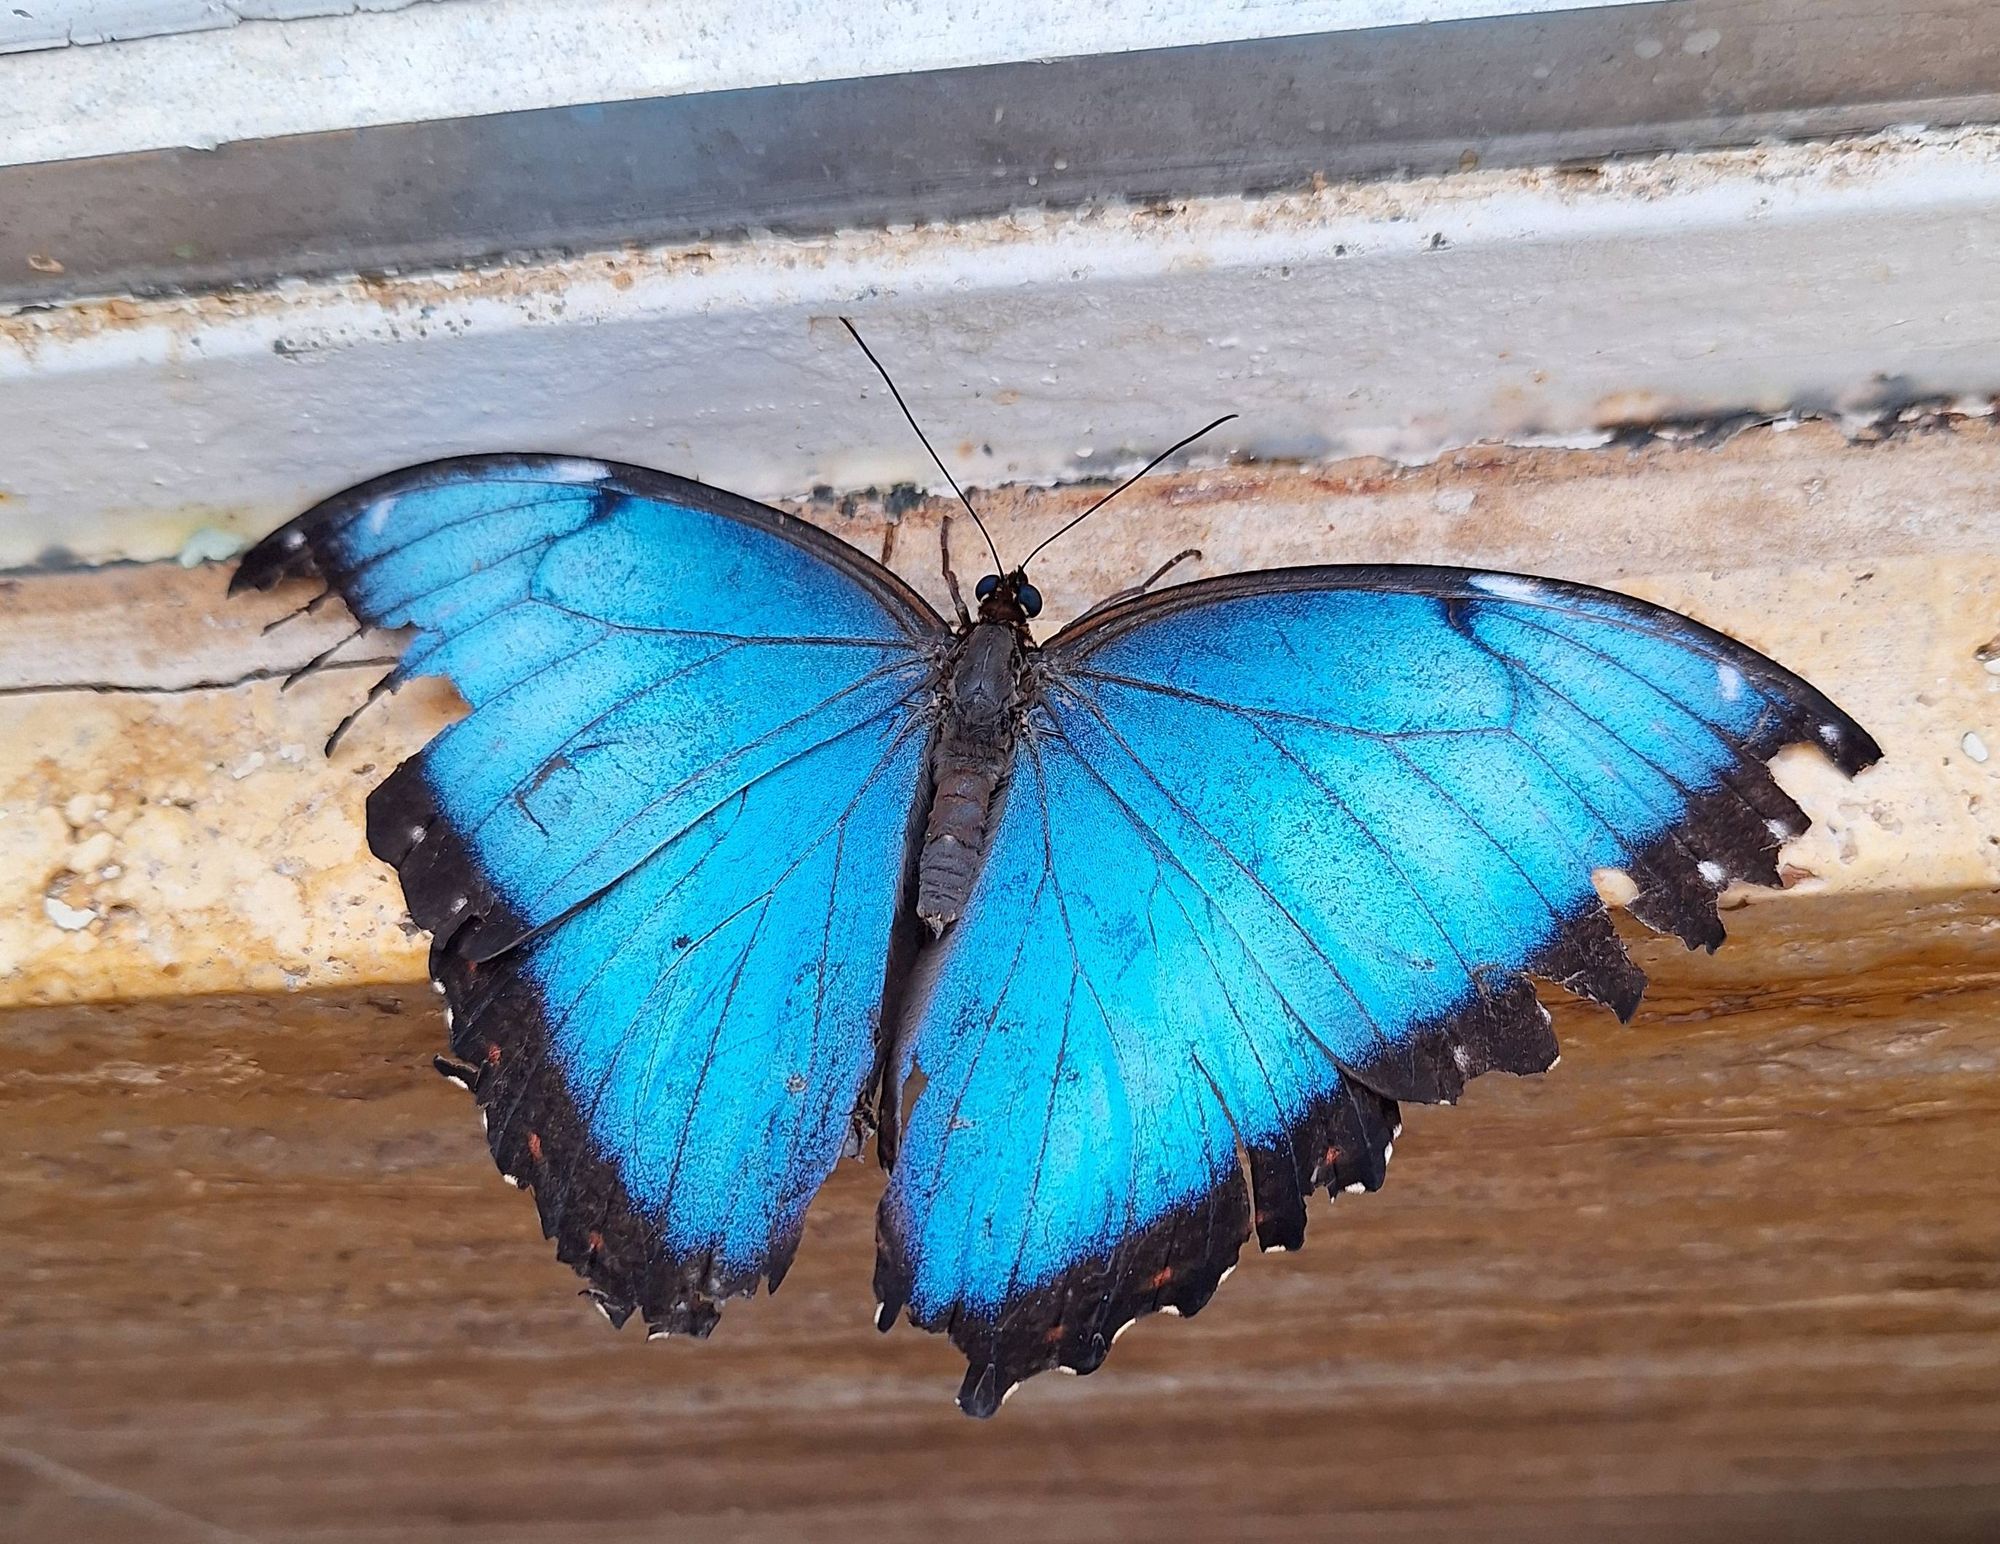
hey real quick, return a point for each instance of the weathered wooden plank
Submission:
(1732, 1272)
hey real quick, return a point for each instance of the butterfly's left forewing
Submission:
(1280, 850)
(660, 856)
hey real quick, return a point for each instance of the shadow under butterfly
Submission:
(741, 841)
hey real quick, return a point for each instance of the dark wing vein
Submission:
(353, 516)
(714, 1037)
(1220, 846)
(1410, 885)
(764, 897)
(485, 564)
(1162, 850)
(790, 639)
(1079, 973)
(735, 755)
(1674, 702)
(541, 769)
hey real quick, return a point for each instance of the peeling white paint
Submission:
(126, 426)
(33, 24)
(424, 62)
(71, 919)
(208, 545)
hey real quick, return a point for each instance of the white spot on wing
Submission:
(1729, 681)
(1508, 586)
(1463, 1057)
(1830, 733)
(574, 469)
(1711, 871)
(1354, 1189)
(378, 515)
(1780, 829)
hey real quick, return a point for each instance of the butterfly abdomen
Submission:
(971, 756)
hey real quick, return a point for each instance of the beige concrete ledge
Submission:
(169, 825)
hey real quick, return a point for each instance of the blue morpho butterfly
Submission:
(744, 854)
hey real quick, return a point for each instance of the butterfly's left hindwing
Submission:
(660, 856)
(1279, 850)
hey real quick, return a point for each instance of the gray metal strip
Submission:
(1226, 118)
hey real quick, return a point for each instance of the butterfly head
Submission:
(1008, 598)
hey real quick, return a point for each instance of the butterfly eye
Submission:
(986, 586)
(1030, 598)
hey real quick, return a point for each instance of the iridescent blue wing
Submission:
(660, 857)
(1281, 849)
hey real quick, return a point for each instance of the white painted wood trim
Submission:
(32, 24)
(1396, 319)
(206, 88)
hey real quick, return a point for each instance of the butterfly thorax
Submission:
(971, 755)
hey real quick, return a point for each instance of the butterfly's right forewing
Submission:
(660, 858)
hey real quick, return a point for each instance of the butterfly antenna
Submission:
(1177, 445)
(998, 566)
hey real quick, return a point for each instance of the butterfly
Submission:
(1121, 945)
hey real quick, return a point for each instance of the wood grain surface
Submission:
(1729, 1273)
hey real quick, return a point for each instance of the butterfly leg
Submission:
(951, 578)
(310, 608)
(1144, 584)
(1159, 573)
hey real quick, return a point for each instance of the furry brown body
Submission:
(972, 753)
